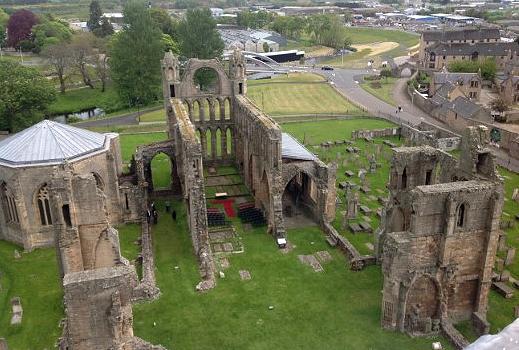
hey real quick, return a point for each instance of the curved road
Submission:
(347, 82)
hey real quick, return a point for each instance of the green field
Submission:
(35, 279)
(299, 95)
(85, 98)
(385, 92)
(373, 35)
(155, 116)
(311, 310)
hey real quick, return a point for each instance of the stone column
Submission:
(212, 113)
(223, 140)
(203, 142)
(213, 144)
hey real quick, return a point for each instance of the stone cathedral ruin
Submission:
(65, 187)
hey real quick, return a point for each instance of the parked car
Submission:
(326, 68)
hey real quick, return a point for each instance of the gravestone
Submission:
(17, 254)
(501, 244)
(365, 209)
(515, 195)
(311, 261)
(355, 228)
(370, 246)
(211, 171)
(510, 255)
(505, 276)
(224, 263)
(362, 174)
(352, 203)
(500, 264)
(372, 164)
(365, 226)
(349, 173)
(17, 309)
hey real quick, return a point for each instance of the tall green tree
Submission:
(135, 55)
(4, 18)
(198, 35)
(164, 21)
(94, 21)
(24, 96)
(105, 29)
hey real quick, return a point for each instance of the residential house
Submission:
(468, 83)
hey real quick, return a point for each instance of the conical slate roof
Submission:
(292, 149)
(49, 142)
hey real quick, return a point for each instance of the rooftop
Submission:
(292, 149)
(49, 142)
(461, 34)
(466, 49)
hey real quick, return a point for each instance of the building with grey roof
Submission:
(31, 161)
(468, 83)
(440, 55)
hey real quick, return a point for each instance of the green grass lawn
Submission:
(155, 116)
(129, 142)
(85, 98)
(311, 310)
(372, 35)
(385, 92)
(35, 279)
(307, 95)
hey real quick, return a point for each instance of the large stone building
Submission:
(439, 238)
(439, 55)
(463, 35)
(217, 125)
(29, 160)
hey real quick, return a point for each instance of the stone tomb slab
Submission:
(17, 309)
(227, 247)
(311, 261)
(324, 256)
(354, 227)
(245, 275)
(349, 173)
(365, 209)
(365, 226)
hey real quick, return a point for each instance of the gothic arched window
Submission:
(9, 205)
(460, 215)
(44, 206)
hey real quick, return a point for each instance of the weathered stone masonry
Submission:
(439, 238)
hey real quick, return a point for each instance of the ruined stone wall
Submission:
(439, 238)
(188, 154)
(84, 236)
(98, 308)
(361, 133)
(258, 155)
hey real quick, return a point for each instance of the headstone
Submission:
(222, 274)
(516, 314)
(370, 246)
(366, 218)
(211, 171)
(365, 209)
(245, 275)
(379, 212)
(372, 165)
(505, 276)
(365, 189)
(349, 173)
(500, 264)
(224, 263)
(510, 255)
(227, 247)
(501, 244)
(17, 254)
(515, 195)
(361, 174)
(352, 204)
(372, 198)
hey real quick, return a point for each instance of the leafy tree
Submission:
(4, 17)
(19, 27)
(106, 28)
(328, 30)
(198, 35)
(386, 73)
(60, 59)
(94, 21)
(499, 104)
(289, 26)
(24, 96)
(81, 50)
(170, 44)
(135, 55)
(100, 61)
(50, 32)
(255, 20)
(163, 20)
(488, 67)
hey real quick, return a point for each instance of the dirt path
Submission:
(377, 48)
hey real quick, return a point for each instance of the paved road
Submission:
(347, 83)
(126, 119)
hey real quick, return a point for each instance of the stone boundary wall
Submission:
(361, 133)
(431, 135)
(454, 336)
(357, 261)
